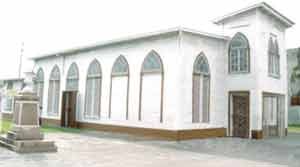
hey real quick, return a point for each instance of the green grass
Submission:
(5, 126)
(294, 128)
(53, 129)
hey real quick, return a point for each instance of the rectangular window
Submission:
(93, 93)
(53, 99)
(239, 60)
(273, 57)
(205, 101)
(234, 61)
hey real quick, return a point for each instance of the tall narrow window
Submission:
(93, 91)
(72, 78)
(239, 57)
(54, 92)
(39, 86)
(201, 90)
(118, 109)
(274, 57)
(151, 89)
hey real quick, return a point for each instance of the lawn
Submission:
(294, 128)
(5, 125)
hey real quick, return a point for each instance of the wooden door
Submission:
(240, 116)
(68, 115)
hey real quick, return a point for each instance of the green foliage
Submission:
(295, 128)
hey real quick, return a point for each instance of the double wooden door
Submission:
(240, 116)
(68, 115)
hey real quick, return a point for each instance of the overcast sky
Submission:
(53, 25)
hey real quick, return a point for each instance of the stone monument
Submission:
(25, 135)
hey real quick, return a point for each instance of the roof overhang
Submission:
(128, 39)
(264, 6)
(11, 79)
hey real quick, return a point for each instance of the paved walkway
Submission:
(91, 149)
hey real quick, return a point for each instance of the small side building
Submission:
(8, 89)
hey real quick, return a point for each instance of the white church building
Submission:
(175, 84)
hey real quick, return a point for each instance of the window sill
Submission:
(274, 76)
(238, 73)
(87, 118)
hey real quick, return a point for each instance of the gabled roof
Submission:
(264, 6)
(129, 39)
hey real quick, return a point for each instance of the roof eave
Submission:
(263, 5)
(127, 39)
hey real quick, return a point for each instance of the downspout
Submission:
(181, 92)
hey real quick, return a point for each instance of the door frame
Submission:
(280, 98)
(230, 111)
(62, 116)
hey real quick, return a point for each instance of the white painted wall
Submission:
(178, 52)
(247, 24)
(135, 52)
(119, 98)
(257, 26)
(151, 98)
(267, 25)
(191, 46)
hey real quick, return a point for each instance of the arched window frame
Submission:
(201, 67)
(93, 75)
(54, 77)
(200, 61)
(152, 70)
(72, 77)
(238, 49)
(40, 75)
(115, 72)
(145, 71)
(55, 73)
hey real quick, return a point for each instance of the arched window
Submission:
(274, 57)
(93, 91)
(39, 86)
(201, 90)
(118, 109)
(151, 89)
(54, 91)
(239, 56)
(72, 78)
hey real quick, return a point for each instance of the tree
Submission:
(296, 76)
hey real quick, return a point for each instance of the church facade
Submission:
(177, 83)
